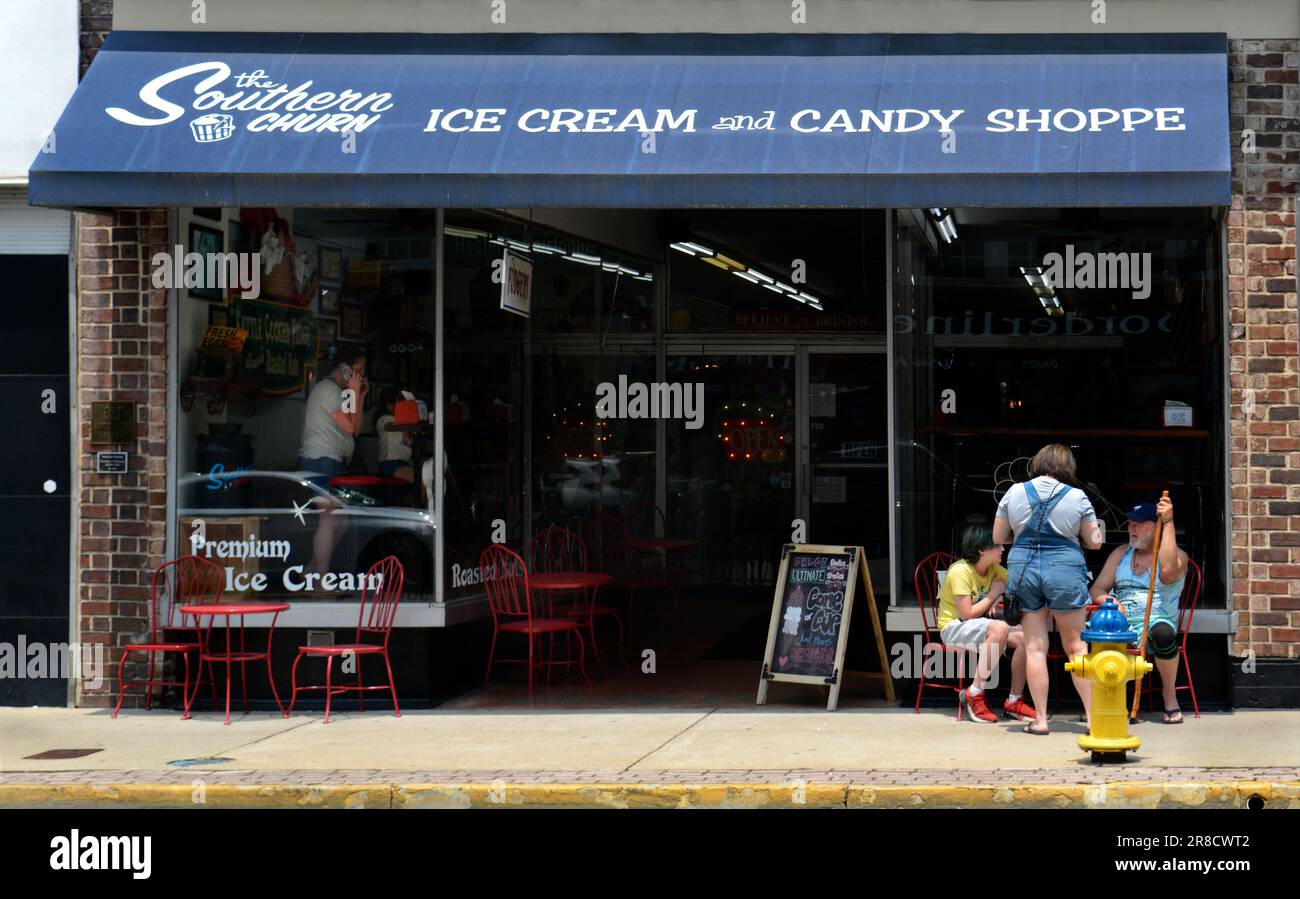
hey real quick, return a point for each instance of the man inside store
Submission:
(335, 410)
(1127, 574)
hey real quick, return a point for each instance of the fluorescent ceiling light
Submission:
(543, 248)
(683, 248)
(760, 276)
(747, 276)
(697, 248)
(583, 258)
(463, 232)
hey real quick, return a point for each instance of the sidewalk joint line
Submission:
(667, 741)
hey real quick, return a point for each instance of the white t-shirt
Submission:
(322, 438)
(392, 448)
(1066, 516)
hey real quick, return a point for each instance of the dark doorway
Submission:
(35, 481)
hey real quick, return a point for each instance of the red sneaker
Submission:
(979, 710)
(1019, 709)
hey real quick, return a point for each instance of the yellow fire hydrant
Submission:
(1110, 667)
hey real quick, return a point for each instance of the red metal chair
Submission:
(1186, 611)
(644, 519)
(926, 579)
(375, 619)
(505, 579)
(186, 580)
(608, 536)
(559, 549)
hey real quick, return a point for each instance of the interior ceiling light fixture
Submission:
(453, 231)
(752, 275)
(944, 223)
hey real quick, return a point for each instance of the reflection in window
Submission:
(1100, 329)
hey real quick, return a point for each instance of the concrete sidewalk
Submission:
(884, 757)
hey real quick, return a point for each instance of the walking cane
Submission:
(1146, 619)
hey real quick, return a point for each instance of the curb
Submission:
(1207, 794)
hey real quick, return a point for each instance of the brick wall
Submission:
(96, 21)
(1263, 376)
(121, 355)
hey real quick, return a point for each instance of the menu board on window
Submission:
(811, 611)
(280, 347)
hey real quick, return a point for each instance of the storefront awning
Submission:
(174, 119)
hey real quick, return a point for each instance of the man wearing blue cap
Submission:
(1127, 574)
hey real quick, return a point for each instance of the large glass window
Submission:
(1099, 329)
(304, 392)
(525, 448)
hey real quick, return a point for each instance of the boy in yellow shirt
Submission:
(971, 588)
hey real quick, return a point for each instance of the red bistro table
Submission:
(228, 656)
(548, 582)
(585, 583)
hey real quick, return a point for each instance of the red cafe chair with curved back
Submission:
(926, 579)
(1186, 611)
(555, 549)
(505, 579)
(608, 537)
(191, 580)
(375, 620)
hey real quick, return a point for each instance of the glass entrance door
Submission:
(731, 482)
(845, 465)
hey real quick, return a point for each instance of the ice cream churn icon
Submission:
(211, 128)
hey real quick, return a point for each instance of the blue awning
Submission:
(174, 119)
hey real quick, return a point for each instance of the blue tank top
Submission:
(1131, 593)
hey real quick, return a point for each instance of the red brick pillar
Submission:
(1264, 380)
(121, 356)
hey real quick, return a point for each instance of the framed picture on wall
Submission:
(352, 321)
(238, 237)
(330, 265)
(204, 241)
(329, 301)
(219, 315)
(327, 331)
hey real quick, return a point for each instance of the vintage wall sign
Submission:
(281, 344)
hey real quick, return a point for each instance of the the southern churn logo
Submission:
(270, 106)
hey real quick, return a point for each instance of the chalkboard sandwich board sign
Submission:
(811, 611)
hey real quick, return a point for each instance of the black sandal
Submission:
(1169, 716)
(1028, 728)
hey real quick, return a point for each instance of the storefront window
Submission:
(304, 399)
(525, 448)
(1099, 329)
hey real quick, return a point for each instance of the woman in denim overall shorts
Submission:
(1047, 572)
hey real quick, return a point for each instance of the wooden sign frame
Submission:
(857, 566)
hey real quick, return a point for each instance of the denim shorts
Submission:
(1052, 578)
(319, 471)
(390, 467)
